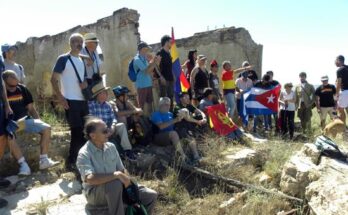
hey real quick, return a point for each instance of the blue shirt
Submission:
(103, 111)
(140, 65)
(158, 118)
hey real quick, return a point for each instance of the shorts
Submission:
(35, 126)
(324, 111)
(144, 96)
(162, 139)
(343, 99)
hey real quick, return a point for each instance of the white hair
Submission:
(75, 35)
(163, 101)
(225, 63)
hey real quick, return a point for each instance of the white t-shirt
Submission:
(243, 85)
(287, 97)
(69, 83)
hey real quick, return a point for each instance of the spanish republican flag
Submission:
(181, 83)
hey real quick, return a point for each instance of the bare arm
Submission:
(338, 86)
(8, 109)
(55, 86)
(32, 111)
(241, 69)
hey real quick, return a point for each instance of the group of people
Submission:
(103, 131)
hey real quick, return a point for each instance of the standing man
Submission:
(342, 87)
(68, 89)
(273, 83)
(5, 110)
(251, 73)
(325, 100)
(91, 58)
(167, 88)
(143, 82)
(9, 54)
(304, 102)
(243, 84)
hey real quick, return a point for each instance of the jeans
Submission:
(231, 103)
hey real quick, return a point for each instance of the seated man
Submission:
(208, 99)
(126, 112)
(102, 109)
(165, 122)
(103, 174)
(24, 112)
(193, 122)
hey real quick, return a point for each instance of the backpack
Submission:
(329, 148)
(132, 74)
(131, 198)
(142, 131)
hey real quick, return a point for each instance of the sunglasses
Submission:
(104, 131)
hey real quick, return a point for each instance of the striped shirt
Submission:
(228, 83)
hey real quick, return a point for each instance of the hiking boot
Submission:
(4, 183)
(130, 155)
(24, 169)
(3, 203)
(46, 163)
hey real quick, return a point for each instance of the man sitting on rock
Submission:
(102, 109)
(103, 174)
(193, 122)
(28, 119)
(165, 121)
(126, 112)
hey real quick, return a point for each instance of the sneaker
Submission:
(4, 183)
(24, 169)
(46, 163)
(3, 203)
(130, 155)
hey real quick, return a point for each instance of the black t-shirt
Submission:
(273, 83)
(166, 65)
(263, 85)
(326, 95)
(201, 80)
(19, 100)
(342, 73)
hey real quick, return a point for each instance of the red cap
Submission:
(213, 63)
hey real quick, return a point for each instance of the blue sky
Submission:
(296, 35)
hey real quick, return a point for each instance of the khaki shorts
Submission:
(324, 111)
(343, 99)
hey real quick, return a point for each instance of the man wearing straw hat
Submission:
(101, 108)
(91, 57)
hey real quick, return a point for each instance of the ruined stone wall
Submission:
(234, 44)
(118, 35)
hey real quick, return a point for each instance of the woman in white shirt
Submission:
(287, 110)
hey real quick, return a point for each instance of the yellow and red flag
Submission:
(181, 84)
(220, 121)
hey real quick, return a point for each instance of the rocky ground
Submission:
(292, 168)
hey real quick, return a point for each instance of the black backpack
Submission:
(329, 148)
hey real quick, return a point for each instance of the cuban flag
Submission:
(259, 101)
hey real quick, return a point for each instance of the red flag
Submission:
(219, 119)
